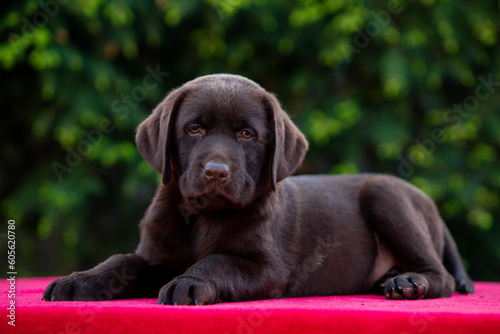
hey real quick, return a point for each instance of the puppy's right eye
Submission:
(195, 129)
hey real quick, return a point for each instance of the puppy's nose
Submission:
(216, 172)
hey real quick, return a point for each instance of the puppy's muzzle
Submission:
(216, 173)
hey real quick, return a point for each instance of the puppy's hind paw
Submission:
(464, 285)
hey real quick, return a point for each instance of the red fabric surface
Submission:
(475, 313)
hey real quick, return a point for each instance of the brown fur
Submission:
(229, 224)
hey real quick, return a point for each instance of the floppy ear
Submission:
(155, 135)
(288, 146)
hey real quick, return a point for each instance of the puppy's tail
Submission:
(453, 263)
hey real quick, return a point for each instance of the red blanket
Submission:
(475, 313)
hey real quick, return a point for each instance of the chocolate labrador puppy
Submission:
(229, 223)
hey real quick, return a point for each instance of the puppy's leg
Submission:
(224, 278)
(407, 221)
(119, 277)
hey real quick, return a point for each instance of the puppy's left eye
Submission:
(246, 134)
(195, 129)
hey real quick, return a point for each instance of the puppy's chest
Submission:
(210, 236)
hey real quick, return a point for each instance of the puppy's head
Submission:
(223, 139)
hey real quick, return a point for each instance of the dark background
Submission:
(390, 87)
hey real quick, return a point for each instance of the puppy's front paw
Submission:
(84, 286)
(188, 290)
(406, 286)
(76, 286)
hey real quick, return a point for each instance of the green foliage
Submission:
(402, 87)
